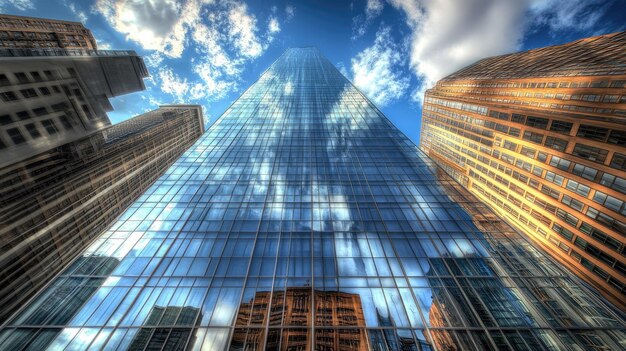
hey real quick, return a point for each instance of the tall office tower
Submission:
(302, 190)
(540, 136)
(49, 97)
(31, 32)
(54, 204)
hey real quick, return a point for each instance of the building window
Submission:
(567, 217)
(509, 145)
(36, 76)
(590, 153)
(528, 152)
(8, 96)
(50, 126)
(550, 192)
(542, 156)
(556, 143)
(4, 80)
(554, 178)
(565, 233)
(66, 122)
(499, 115)
(50, 75)
(573, 203)
(601, 236)
(606, 220)
(559, 163)
(40, 111)
(518, 118)
(28, 93)
(610, 202)
(62, 106)
(72, 72)
(514, 131)
(618, 84)
(585, 171)
(32, 130)
(617, 137)
(561, 127)
(537, 122)
(599, 84)
(592, 132)
(5, 119)
(22, 77)
(614, 182)
(16, 136)
(578, 188)
(23, 115)
(533, 137)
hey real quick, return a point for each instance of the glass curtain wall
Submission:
(304, 220)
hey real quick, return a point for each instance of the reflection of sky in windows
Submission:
(303, 185)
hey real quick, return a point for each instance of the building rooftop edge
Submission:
(457, 76)
(194, 106)
(42, 19)
(58, 52)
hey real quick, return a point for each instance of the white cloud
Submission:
(154, 60)
(274, 26)
(78, 13)
(173, 84)
(376, 69)
(103, 45)
(223, 35)
(154, 24)
(373, 8)
(21, 5)
(561, 15)
(290, 11)
(447, 35)
(243, 30)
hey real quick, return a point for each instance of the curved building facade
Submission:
(540, 137)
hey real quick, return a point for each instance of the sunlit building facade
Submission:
(540, 136)
(32, 32)
(53, 205)
(304, 220)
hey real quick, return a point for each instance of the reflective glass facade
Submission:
(304, 220)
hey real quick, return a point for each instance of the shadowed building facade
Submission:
(540, 136)
(304, 220)
(56, 203)
(49, 97)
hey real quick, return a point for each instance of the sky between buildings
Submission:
(208, 52)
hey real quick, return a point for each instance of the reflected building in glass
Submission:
(304, 220)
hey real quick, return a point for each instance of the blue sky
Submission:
(208, 51)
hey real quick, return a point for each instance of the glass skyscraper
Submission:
(304, 220)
